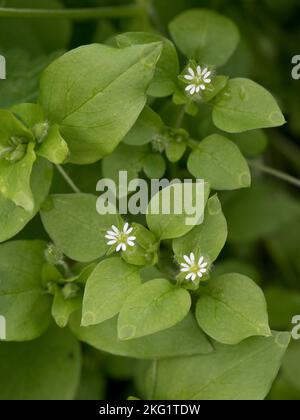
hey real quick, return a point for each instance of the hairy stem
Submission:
(79, 14)
(288, 149)
(67, 178)
(180, 117)
(275, 173)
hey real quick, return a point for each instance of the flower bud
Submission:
(40, 131)
(17, 153)
(70, 290)
(53, 255)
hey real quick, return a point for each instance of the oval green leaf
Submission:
(233, 308)
(153, 307)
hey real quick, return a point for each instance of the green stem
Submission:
(67, 179)
(80, 14)
(287, 149)
(274, 172)
(154, 380)
(180, 117)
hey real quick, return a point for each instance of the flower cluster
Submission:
(198, 79)
(121, 238)
(193, 268)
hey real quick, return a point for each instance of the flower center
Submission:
(194, 269)
(198, 80)
(122, 238)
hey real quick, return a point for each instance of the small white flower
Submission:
(193, 268)
(198, 79)
(121, 238)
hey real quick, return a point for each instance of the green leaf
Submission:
(233, 308)
(155, 306)
(175, 224)
(30, 114)
(217, 84)
(63, 308)
(54, 148)
(207, 239)
(205, 36)
(167, 69)
(75, 227)
(145, 251)
(13, 218)
(148, 126)
(124, 158)
(107, 289)
(244, 105)
(220, 162)
(242, 372)
(163, 344)
(44, 369)
(94, 101)
(10, 128)
(175, 151)
(15, 180)
(154, 166)
(23, 302)
(265, 208)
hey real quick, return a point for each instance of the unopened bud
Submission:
(70, 290)
(40, 131)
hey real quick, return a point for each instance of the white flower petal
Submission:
(111, 233)
(188, 77)
(189, 87)
(130, 243)
(184, 265)
(193, 90)
(124, 247)
(185, 270)
(129, 230)
(199, 70)
(203, 270)
(203, 265)
(131, 238)
(204, 71)
(200, 274)
(115, 229)
(119, 247)
(112, 242)
(192, 258)
(111, 239)
(186, 259)
(191, 71)
(198, 89)
(202, 87)
(207, 74)
(207, 80)
(126, 226)
(189, 276)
